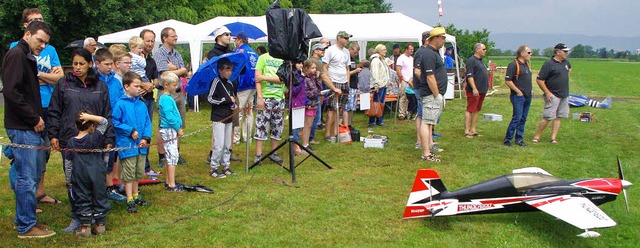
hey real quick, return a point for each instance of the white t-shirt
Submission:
(407, 66)
(338, 59)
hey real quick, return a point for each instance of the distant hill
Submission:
(511, 41)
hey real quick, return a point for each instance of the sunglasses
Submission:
(226, 34)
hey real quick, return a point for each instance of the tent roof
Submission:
(373, 27)
(183, 29)
(364, 27)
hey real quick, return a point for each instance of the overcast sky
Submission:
(588, 17)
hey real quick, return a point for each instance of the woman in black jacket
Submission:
(77, 90)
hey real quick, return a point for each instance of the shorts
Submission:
(474, 103)
(170, 145)
(431, 109)
(342, 100)
(270, 119)
(556, 108)
(352, 100)
(419, 105)
(132, 168)
(310, 112)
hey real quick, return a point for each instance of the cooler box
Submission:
(492, 117)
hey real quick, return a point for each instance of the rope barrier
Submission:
(115, 149)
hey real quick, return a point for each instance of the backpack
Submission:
(518, 67)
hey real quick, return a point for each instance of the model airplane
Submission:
(527, 189)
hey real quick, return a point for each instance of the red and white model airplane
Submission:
(527, 189)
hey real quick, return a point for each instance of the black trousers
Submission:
(88, 178)
(413, 103)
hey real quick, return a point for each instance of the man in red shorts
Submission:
(476, 90)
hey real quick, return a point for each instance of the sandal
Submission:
(468, 135)
(553, 141)
(535, 141)
(55, 201)
(476, 134)
(431, 158)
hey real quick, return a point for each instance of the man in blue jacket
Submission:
(246, 89)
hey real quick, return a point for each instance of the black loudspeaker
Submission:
(289, 32)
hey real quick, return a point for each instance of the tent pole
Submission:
(455, 53)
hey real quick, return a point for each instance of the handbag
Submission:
(375, 109)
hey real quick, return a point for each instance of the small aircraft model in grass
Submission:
(527, 189)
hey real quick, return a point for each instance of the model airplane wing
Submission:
(575, 210)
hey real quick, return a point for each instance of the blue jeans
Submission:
(520, 112)
(379, 97)
(316, 121)
(27, 175)
(149, 103)
(296, 134)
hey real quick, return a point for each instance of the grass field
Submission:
(361, 201)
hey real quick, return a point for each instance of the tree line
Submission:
(78, 19)
(578, 51)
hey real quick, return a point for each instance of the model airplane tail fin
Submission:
(427, 187)
(606, 103)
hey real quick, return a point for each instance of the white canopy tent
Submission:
(364, 27)
(183, 30)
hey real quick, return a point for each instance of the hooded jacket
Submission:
(298, 94)
(114, 85)
(247, 81)
(379, 72)
(130, 114)
(69, 97)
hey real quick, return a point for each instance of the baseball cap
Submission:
(562, 47)
(318, 46)
(242, 36)
(344, 34)
(220, 31)
(437, 31)
(396, 46)
(425, 36)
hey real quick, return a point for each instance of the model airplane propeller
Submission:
(527, 189)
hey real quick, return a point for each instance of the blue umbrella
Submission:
(252, 32)
(200, 82)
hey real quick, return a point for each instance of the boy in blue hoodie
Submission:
(104, 65)
(133, 129)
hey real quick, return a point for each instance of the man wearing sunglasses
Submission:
(336, 62)
(476, 90)
(518, 79)
(553, 80)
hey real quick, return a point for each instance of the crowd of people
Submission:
(107, 102)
